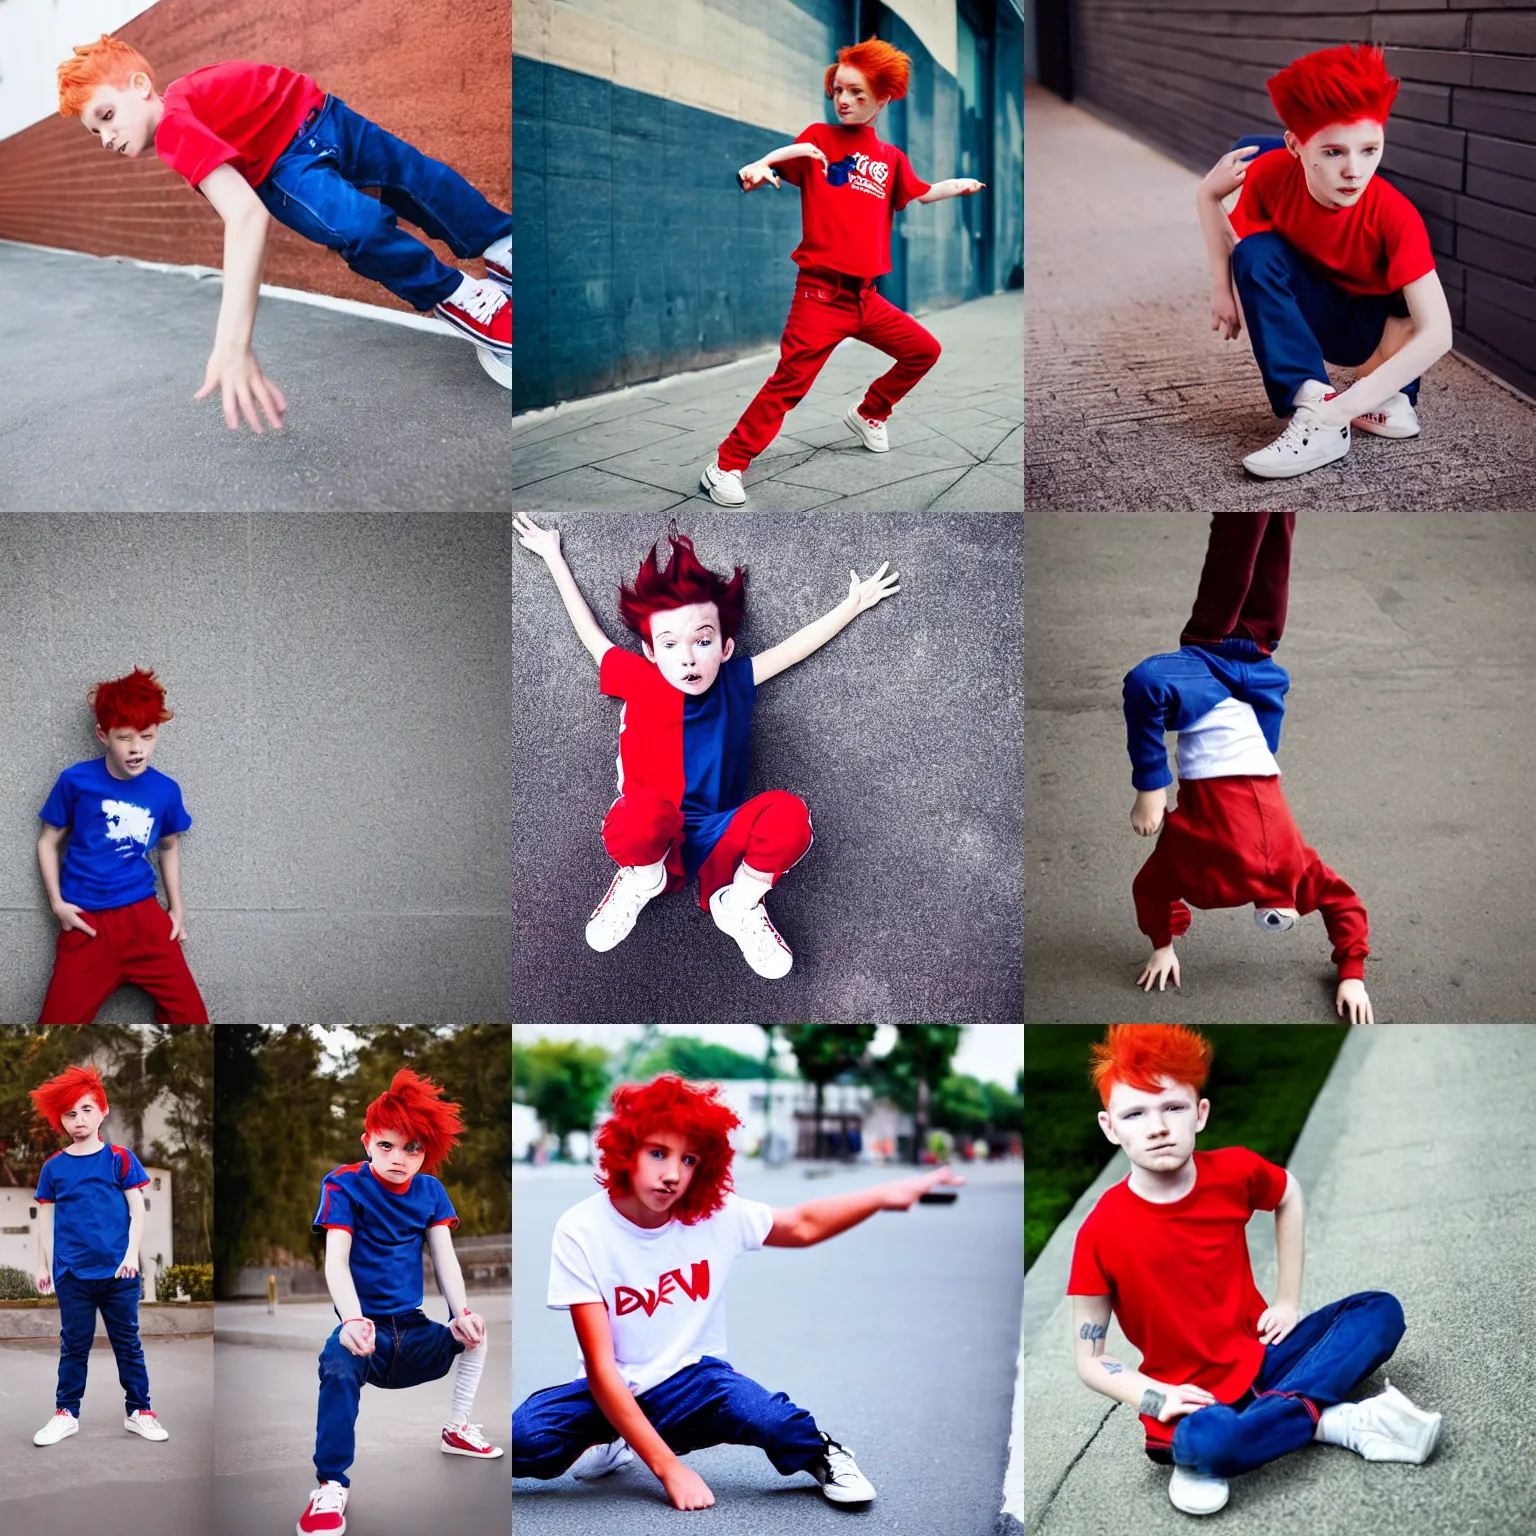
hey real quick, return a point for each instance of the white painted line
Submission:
(1011, 1517)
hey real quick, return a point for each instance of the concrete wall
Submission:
(1461, 142)
(433, 72)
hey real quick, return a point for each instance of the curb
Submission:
(1010, 1521)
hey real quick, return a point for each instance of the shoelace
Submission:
(328, 1500)
(1297, 430)
(470, 1432)
(624, 898)
(844, 1451)
(762, 935)
(482, 303)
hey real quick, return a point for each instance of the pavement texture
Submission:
(102, 359)
(105, 1478)
(1134, 402)
(901, 735)
(341, 740)
(402, 1484)
(154, 1319)
(956, 440)
(1404, 757)
(1409, 1187)
(899, 1336)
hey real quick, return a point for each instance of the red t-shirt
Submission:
(846, 226)
(1378, 246)
(237, 114)
(1178, 1276)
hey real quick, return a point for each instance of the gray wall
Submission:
(1461, 142)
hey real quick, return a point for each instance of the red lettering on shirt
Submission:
(626, 1299)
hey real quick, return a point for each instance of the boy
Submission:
(654, 1379)
(851, 184)
(90, 1209)
(1226, 1383)
(376, 1215)
(1329, 262)
(114, 809)
(262, 142)
(684, 743)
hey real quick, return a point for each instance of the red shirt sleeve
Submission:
(621, 672)
(190, 147)
(1344, 916)
(1250, 214)
(1087, 1277)
(1266, 1183)
(795, 171)
(1406, 239)
(909, 185)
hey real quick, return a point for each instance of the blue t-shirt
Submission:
(90, 1219)
(113, 823)
(389, 1226)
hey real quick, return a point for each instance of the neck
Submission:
(1160, 1187)
(631, 1209)
(85, 1148)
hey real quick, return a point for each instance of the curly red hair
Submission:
(1140, 1054)
(670, 1104)
(886, 68)
(107, 61)
(1349, 84)
(65, 1091)
(414, 1105)
(133, 702)
(685, 580)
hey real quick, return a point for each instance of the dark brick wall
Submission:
(1461, 142)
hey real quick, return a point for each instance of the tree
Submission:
(826, 1051)
(563, 1081)
(697, 1060)
(921, 1057)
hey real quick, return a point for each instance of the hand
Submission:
(71, 916)
(469, 1329)
(178, 925)
(965, 185)
(685, 1488)
(757, 173)
(44, 1283)
(1352, 1003)
(903, 1194)
(544, 542)
(1162, 968)
(238, 375)
(1147, 813)
(127, 1270)
(1226, 317)
(1277, 1321)
(1165, 1403)
(357, 1336)
(1226, 176)
(865, 594)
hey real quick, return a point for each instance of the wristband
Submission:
(347, 1320)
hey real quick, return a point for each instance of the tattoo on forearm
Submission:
(1152, 1402)
(1112, 1366)
(1092, 1331)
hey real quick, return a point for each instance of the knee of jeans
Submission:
(337, 1362)
(1203, 1439)
(1255, 252)
(1389, 1311)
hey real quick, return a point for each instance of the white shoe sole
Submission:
(720, 498)
(1416, 1450)
(788, 956)
(54, 1439)
(1396, 433)
(1203, 1508)
(1292, 471)
(499, 368)
(851, 422)
(153, 1439)
(453, 1450)
(469, 333)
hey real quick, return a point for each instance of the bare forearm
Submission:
(619, 1407)
(1289, 1249)
(588, 630)
(135, 1235)
(799, 645)
(245, 248)
(45, 1237)
(48, 865)
(338, 1281)
(450, 1281)
(938, 191)
(1219, 236)
(787, 152)
(1110, 1377)
(832, 1214)
(170, 872)
(1369, 390)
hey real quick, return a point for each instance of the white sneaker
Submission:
(870, 433)
(600, 1460)
(765, 951)
(466, 1439)
(60, 1427)
(1193, 1493)
(1394, 417)
(615, 914)
(142, 1422)
(1304, 445)
(326, 1512)
(723, 485)
(839, 1475)
(1386, 1427)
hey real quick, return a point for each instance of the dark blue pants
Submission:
(1318, 1364)
(314, 188)
(118, 1303)
(708, 1403)
(1297, 319)
(408, 1350)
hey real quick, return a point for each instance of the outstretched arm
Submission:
(467, 1325)
(956, 186)
(545, 543)
(817, 1220)
(861, 595)
(756, 172)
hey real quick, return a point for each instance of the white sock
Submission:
(651, 875)
(466, 1381)
(1332, 1425)
(1311, 391)
(747, 888)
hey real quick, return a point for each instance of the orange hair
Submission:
(65, 1091)
(107, 61)
(133, 702)
(415, 1106)
(1140, 1054)
(1334, 85)
(886, 68)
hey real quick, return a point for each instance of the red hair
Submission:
(1349, 84)
(670, 1104)
(134, 702)
(1139, 1054)
(415, 1106)
(886, 68)
(686, 580)
(65, 1091)
(107, 61)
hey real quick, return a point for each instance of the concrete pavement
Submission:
(1411, 1186)
(1135, 403)
(956, 440)
(1405, 754)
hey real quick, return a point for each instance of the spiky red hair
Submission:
(886, 68)
(65, 1091)
(414, 1106)
(133, 702)
(1333, 85)
(685, 580)
(1141, 1054)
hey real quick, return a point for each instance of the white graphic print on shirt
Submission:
(127, 823)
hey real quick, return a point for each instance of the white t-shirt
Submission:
(1225, 740)
(664, 1288)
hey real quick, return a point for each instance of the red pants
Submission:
(1245, 585)
(771, 832)
(828, 309)
(132, 946)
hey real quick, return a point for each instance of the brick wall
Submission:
(434, 72)
(1461, 143)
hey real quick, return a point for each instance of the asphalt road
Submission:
(1406, 759)
(900, 1336)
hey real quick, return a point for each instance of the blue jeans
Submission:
(708, 1403)
(118, 1303)
(1318, 1364)
(1297, 320)
(408, 1350)
(313, 188)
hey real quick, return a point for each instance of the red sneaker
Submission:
(484, 314)
(466, 1440)
(326, 1512)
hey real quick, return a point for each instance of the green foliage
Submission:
(563, 1080)
(16, 1285)
(697, 1060)
(195, 1279)
(823, 1052)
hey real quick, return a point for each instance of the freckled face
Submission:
(663, 1171)
(685, 643)
(1339, 161)
(1157, 1130)
(851, 96)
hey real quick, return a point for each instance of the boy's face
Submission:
(1157, 1130)
(394, 1155)
(128, 750)
(1339, 161)
(663, 1170)
(852, 97)
(685, 643)
(82, 1120)
(124, 116)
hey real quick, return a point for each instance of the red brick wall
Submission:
(437, 73)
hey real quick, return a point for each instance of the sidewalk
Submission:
(956, 440)
(1413, 1186)
(1135, 402)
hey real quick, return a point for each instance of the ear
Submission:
(1292, 143)
(1107, 1126)
(101, 736)
(1202, 1114)
(645, 647)
(728, 649)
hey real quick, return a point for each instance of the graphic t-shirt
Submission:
(237, 114)
(1178, 1276)
(694, 750)
(1378, 246)
(664, 1288)
(90, 1218)
(846, 211)
(389, 1225)
(112, 823)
